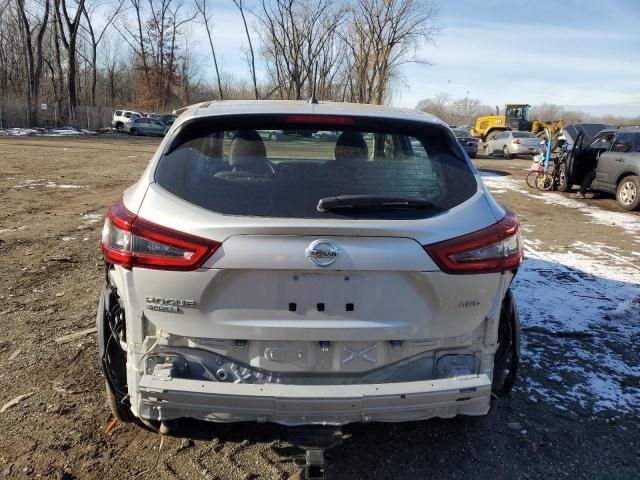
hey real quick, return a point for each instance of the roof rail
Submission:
(206, 104)
(627, 126)
(179, 111)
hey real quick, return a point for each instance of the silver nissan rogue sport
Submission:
(307, 279)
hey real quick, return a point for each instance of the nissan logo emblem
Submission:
(322, 252)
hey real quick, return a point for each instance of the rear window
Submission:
(523, 135)
(283, 166)
(460, 133)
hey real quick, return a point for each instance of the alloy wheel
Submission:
(628, 193)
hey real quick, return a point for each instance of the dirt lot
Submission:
(574, 414)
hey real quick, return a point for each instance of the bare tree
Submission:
(462, 111)
(297, 36)
(465, 110)
(112, 65)
(353, 49)
(68, 32)
(33, 55)
(547, 112)
(156, 40)
(96, 37)
(383, 35)
(251, 55)
(438, 105)
(202, 6)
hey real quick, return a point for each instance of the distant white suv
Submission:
(305, 280)
(122, 117)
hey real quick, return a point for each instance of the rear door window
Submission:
(523, 135)
(602, 142)
(263, 169)
(623, 143)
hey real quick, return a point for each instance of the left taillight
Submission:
(131, 241)
(497, 248)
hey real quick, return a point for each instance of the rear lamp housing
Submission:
(497, 248)
(131, 241)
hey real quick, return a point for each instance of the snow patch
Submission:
(629, 222)
(46, 132)
(580, 314)
(505, 182)
(41, 182)
(89, 219)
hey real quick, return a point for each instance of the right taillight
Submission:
(497, 248)
(131, 241)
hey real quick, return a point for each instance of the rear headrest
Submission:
(351, 146)
(247, 147)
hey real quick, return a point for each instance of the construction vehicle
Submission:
(516, 117)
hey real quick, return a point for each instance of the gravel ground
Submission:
(574, 414)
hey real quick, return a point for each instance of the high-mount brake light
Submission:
(131, 241)
(320, 119)
(497, 248)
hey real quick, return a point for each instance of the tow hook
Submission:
(315, 441)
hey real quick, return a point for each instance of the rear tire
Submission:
(505, 153)
(507, 357)
(544, 182)
(563, 181)
(133, 131)
(628, 193)
(531, 178)
(113, 358)
(118, 409)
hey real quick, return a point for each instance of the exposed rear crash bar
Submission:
(275, 401)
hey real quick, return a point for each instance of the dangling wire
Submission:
(155, 464)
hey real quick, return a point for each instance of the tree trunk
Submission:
(34, 60)
(252, 58)
(70, 44)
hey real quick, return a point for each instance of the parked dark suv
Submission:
(615, 154)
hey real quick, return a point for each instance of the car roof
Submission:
(299, 107)
(627, 128)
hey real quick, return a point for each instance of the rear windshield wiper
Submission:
(370, 202)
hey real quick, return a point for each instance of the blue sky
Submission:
(578, 53)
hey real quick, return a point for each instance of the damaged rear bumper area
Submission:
(167, 399)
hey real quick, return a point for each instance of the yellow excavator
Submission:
(516, 117)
